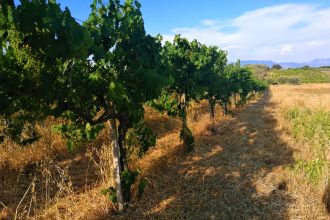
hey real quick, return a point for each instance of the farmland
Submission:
(101, 120)
(303, 75)
(242, 166)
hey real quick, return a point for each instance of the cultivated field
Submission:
(259, 163)
(299, 75)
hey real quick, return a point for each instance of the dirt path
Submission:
(233, 175)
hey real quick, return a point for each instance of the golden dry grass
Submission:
(315, 96)
(311, 201)
(35, 179)
(237, 171)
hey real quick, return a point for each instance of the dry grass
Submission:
(36, 179)
(311, 201)
(219, 179)
(239, 169)
(49, 146)
(315, 96)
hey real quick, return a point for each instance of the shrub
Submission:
(276, 66)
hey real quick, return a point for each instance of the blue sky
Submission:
(278, 30)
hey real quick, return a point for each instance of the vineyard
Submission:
(301, 75)
(99, 120)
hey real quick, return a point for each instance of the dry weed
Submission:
(239, 169)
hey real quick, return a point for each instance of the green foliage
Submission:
(139, 139)
(45, 68)
(276, 67)
(212, 74)
(38, 37)
(237, 80)
(105, 69)
(167, 102)
(324, 67)
(48, 30)
(128, 178)
(186, 61)
(20, 128)
(110, 193)
(141, 187)
(76, 135)
(188, 138)
(200, 72)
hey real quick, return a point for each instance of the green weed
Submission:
(313, 127)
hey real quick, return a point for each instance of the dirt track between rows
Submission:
(234, 174)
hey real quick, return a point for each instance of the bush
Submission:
(189, 138)
(276, 66)
(139, 139)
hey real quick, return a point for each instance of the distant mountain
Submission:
(269, 63)
(318, 62)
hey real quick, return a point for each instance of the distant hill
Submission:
(318, 62)
(269, 63)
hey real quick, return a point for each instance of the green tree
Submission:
(32, 36)
(226, 87)
(212, 79)
(276, 67)
(45, 51)
(186, 62)
(124, 74)
(237, 82)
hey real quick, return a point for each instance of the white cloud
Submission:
(208, 22)
(286, 48)
(289, 32)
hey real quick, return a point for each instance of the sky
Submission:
(275, 30)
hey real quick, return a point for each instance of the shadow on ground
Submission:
(229, 176)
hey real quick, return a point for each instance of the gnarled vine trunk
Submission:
(224, 108)
(184, 119)
(123, 150)
(186, 135)
(122, 130)
(116, 165)
(212, 103)
(235, 100)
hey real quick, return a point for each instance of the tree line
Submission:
(102, 72)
